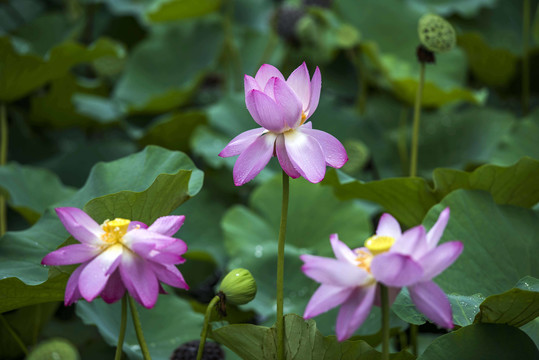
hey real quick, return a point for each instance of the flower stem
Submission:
(204, 334)
(385, 321)
(417, 114)
(138, 329)
(525, 56)
(12, 332)
(3, 159)
(121, 335)
(280, 268)
(413, 338)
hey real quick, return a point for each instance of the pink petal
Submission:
(396, 270)
(139, 279)
(136, 225)
(388, 226)
(284, 160)
(114, 290)
(316, 86)
(289, 102)
(179, 247)
(432, 301)
(167, 225)
(306, 155)
(80, 225)
(143, 240)
(250, 84)
(300, 83)
(241, 142)
(413, 242)
(72, 288)
(71, 254)
(440, 258)
(307, 125)
(265, 73)
(333, 272)
(354, 311)
(95, 275)
(170, 275)
(325, 298)
(341, 251)
(270, 88)
(334, 152)
(436, 232)
(265, 111)
(253, 159)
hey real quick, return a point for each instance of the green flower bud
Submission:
(435, 33)
(56, 348)
(239, 287)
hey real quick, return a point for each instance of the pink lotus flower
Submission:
(281, 107)
(390, 257)
(119, 255)
(413, 259)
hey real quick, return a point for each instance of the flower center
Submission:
(114, 230)
(379, 244)
(364, 260)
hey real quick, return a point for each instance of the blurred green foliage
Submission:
(120, 107)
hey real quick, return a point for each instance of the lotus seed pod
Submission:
(239, 287)
(54, 349)
(435, 33)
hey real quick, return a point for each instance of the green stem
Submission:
(417, 114)
(413, 338)
(280, 269)
(138, 329)
(401, 141)
(10, 330)
(204, 334)
(121, 335)
(525, 57)
(3, 159)
(385, 321)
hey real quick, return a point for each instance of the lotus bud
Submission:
(435, 33)
(239, 287)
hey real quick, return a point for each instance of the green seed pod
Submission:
(239, 287)
(54, 349)
(435, 33)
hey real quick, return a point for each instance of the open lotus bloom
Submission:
(281, 107)
(413, 259)
(119, 255)
(390, 257)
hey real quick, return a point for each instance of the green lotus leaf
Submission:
(30, 190)
(303, 341)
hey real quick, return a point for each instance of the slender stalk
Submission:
(3, 159)
(280, 268)
(417, 114)
(121, 335)
(525, 56)
(204, 334)
(231, 48)
(138, 329)
(413, 338)
(385, 321)
(12, 332)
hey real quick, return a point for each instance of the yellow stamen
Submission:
(364, 260)
(114, 230)
(379, 244)
(303, 118)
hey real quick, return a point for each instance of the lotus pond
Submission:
(269, 179)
